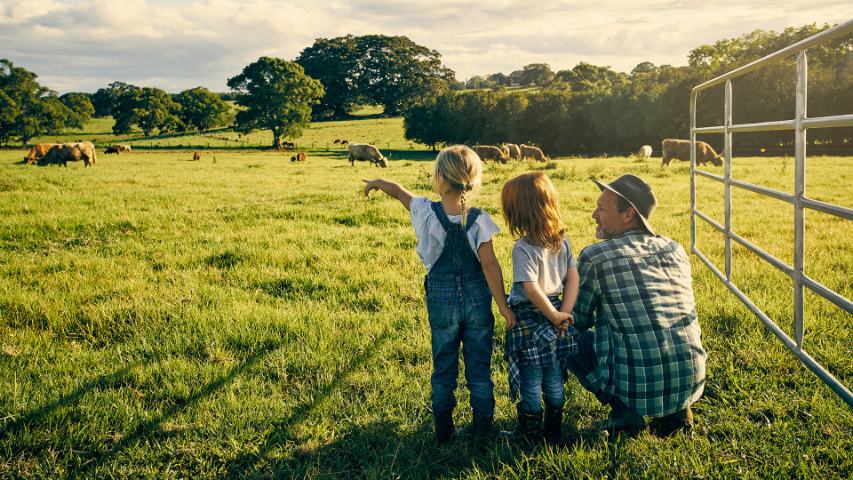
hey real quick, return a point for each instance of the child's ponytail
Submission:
(461, 169)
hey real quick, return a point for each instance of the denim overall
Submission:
(459, 304)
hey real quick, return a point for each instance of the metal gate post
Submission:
(727, 133)
(799, 192)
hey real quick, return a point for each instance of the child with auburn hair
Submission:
(463, 275)
(543, 269)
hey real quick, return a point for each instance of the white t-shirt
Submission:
(430, 234)
(532, 263)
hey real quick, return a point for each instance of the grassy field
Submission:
(248, 316)
(384, 132)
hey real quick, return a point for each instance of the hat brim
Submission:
(644, 220)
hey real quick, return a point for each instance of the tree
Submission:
(539, 74)
(106, 99)
(32, 109)
(277, 95)
(155, 109)
(333, 62)
(500, 79)
(201, 108)
(81, 108)
(391, 71)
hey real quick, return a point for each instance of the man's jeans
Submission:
(583, 361)
(469, 320)
(536, 381)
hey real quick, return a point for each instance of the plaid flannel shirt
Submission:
(534, 339)
(636, 291)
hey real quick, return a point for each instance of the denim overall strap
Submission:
(473, 213)
(456, 257)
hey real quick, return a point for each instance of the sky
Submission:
(83, 45)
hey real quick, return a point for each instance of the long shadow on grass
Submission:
(149, 427)
(380, 450)
(282, 431)
(101, 382)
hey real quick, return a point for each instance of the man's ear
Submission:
(630, 215)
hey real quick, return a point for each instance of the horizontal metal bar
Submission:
(770, 192)
(712, 176)
(817, 122)
(779, 264)
(834, 32)
(715, 129)
(804, 357)
(829, 294)
(710, 220)
(763, 126)
(826, 122)
(829, 208)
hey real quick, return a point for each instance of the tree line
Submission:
(591, 109)
(585, 109)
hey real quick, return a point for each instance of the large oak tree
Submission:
(276, 95)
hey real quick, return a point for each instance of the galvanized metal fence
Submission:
(799, 124)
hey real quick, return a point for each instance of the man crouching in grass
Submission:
(641, 348)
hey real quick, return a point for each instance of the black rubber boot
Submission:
(529, 428)
(481, 428)
(553, 426)
(443, 426)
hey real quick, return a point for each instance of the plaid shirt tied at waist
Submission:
(534, 339)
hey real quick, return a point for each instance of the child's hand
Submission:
(369, 186)
(561, 321)
(509, 316)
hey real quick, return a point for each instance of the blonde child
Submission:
(543, 270)
(463, 275)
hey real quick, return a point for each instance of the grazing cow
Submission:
(113, 149)
(645, 152)
(300, 157)
(63, 153)
(362, 151)
(344, 142)
(514, 151)
(490, 152)
(535, 153)
(288, 145)
(337, 141)
(123, 147)
(37, 152)
(196, 156)
(680, 149)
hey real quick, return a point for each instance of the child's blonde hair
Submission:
(531, 209)
(459, 168)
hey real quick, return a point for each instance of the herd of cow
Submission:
(62, 153)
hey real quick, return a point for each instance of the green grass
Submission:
(384, 132)
(254, 317)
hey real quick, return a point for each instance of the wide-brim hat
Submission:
(636, 192)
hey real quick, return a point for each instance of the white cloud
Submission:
(85, 44)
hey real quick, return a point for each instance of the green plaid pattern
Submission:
(534, 340)
(636, 291)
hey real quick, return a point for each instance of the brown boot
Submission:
(668, 424)
(623, 419)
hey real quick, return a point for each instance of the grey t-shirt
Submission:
(532, 263)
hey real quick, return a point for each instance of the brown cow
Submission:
(490, 152)
(38, 151)
(528, 151)
(300, 157)
(196, 156)
(514, 151)
(680, 149)
(70, 152)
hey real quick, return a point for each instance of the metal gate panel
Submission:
(799, 124)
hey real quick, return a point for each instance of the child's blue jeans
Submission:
(538, 381)
(461, 317)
